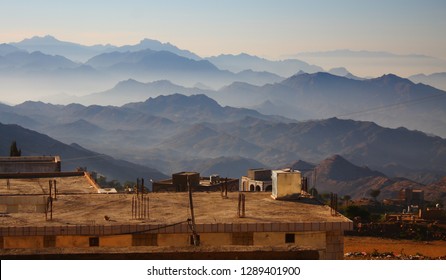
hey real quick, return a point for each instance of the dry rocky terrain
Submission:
(367, 248)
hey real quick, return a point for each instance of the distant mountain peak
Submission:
(148, 41)
(307, 77)
(156, 45)
(151, 42)
(302, 166)
(339, 71)
(42, 40)
(390, 78)
(181, 100)
(338, 168)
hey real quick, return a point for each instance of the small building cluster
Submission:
(182, 180)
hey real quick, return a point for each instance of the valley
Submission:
(165, 109)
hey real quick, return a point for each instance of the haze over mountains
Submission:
(374, 62)
(44, 68)
(167, 130)
(164, 108)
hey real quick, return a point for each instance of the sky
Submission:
(270, 29)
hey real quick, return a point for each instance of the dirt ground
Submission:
(432, 249)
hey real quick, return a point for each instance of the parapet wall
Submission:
(182, 227)
(33, 175)
(30, 164)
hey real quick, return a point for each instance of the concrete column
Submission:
(335, 245)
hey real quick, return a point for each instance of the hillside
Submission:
(389, 100)
(336, 174)
(133, 91)
(436, 191)
(194, 109)
(363, 143)
(33, 144)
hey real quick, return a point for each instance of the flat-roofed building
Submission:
(257, 180)
(103, 226)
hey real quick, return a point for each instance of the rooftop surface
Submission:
(35, 186)
(203, 182)
(170, 208)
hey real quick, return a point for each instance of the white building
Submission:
(286, 183)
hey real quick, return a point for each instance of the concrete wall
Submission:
(29, 164)
(182, 179)
(315, 240)
(73, 241)
(216, 239)
(286, 183)
(326, 238)
(22, 242)
(173, 239)
(116, 241)
(259, 174)
(335, 245)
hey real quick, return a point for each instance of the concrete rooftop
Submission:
(35, 186)
(78, 204)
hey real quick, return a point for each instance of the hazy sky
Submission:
(209, 27)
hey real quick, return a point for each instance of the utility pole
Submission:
(191, 206)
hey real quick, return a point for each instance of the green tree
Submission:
(313, 191)
(374, 193)
(346, 198)
(102, 181)
(353, 211)
(14, 151)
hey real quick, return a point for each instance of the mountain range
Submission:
(55, 70)
(77, 52)
(42, 66)
(172, 130)
(334, 173)
(388, 100)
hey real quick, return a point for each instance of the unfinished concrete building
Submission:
(180, 181)
(88, 225)
(257, 180)
(411, 197)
